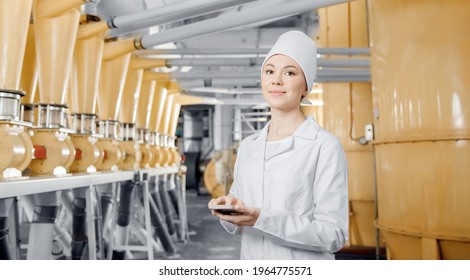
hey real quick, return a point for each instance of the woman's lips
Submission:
(276, 92)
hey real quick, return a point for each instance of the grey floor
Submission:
(208, 239)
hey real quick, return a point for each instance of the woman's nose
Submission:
(276, 80)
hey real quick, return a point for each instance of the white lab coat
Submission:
(302, 190)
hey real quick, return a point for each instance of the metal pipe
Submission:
(42, 227)
(169, 13)
(167, 210)
(245, 51)
(5, 252)
(322, 73)
(78, 227)
(252, 82)
(246, 16)
(124, 215)
(161, 229)
(249, 62)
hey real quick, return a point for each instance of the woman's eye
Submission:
(269, 72)
(290, 73)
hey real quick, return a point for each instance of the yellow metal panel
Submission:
(430, 249)
(423, 187)
(358, 24)
(338, 100)
(402, 247)
(338, 26)
(453, 250)
(322, 35)
(361, 227)
(420, 69)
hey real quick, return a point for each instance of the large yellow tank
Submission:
(420, 63)
(347, 109)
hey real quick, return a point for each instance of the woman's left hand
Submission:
(247, 217)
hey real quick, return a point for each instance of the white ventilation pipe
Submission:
(219, 83)
(245, 51)
(247, 62)
(227, 21)
(169, 13)
(322, 73)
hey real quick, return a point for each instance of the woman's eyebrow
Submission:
(285, 67)
(290, 66)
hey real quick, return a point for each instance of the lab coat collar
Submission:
(307, 130)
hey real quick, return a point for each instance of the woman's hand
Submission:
(248, 216)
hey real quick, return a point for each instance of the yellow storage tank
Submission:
(420, 64)
(347, 109)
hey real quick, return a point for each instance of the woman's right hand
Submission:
(222, 200)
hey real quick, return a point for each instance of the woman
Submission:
(290, 179)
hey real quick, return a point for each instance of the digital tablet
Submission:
(225, 209)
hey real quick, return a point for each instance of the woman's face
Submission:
(283, 83)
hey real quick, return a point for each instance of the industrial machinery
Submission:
(91, 94)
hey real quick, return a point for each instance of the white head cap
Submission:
(300, 48)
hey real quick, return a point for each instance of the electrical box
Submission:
(369, 132)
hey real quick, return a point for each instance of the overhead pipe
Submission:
(323, 75)
(169, 13)
(249, 15)
(243, 51)
(246, 16)
(229, 83)
(250, 62)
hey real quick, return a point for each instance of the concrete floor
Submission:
(208, 239)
